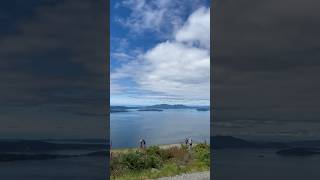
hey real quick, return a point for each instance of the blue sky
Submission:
(160, 52)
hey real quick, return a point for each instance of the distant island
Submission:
(119, 109)
(221, 142)
(157, 107)
(6, 157)
(294, 148)
(150, 109)
(168, 106)
(21, 150)
(38, 146)
(299, 151)
(203, 109)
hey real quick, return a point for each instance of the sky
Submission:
(267, 69)
(159, 52)
(53, 69)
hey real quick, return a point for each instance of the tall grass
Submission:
(154, 162)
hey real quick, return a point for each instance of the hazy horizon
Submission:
(133, 105)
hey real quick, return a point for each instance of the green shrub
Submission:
(116, 166)
(184, 147)
(163, 154)
(202, 153)
(133, 160)
(154, 150)
(201, 146)
(139, 160)
(152, 161)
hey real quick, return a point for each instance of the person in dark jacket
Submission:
(144, 143)
(190, 143)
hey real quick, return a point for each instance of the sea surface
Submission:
(263, 164)
(165, 127)
(168, 126)
(76, 168)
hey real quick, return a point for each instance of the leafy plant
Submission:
(202, 153)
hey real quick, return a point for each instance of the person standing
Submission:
(110, 148)
(144, 143)
(190, 143)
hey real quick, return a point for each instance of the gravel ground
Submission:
(192, 176)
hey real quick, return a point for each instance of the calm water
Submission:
(82, 168)
(168, 126)
(240, 164)
(78, 168)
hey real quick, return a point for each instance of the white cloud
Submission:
(179, 67)
(121, 56)
(144, 15)
(159, 16)
(197, 29)
(176, 69)
(116, 88)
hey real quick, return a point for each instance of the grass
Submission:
(155, 162)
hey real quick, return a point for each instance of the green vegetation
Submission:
(155, 162)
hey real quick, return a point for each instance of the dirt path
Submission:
(193, 176)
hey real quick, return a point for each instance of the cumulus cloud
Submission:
(178, 67)
(174, 68)
(197, 29)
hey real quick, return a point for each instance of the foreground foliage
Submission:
(155, 162)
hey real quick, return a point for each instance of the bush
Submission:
(177, 153)
(184, 147)
(154, 150)
(152, 161)
(138, 161)
(164, 154)
(133, 160)
(116, 166)
(201, 146)
(202, 153)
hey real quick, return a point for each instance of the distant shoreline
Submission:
(157, 107)
(162, 146)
